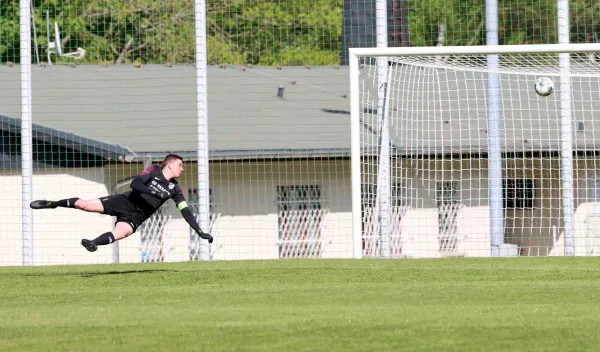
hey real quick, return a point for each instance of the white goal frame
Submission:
(491, 51)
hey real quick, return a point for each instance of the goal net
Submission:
(457, 155)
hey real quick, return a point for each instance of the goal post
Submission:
(423, 180)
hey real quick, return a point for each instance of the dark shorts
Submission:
(118, 205)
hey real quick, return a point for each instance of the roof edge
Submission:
(66, 139)
(244, 154)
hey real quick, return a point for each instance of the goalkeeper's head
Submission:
(172, 165)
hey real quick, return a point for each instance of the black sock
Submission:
(67, 203)
(104, 239)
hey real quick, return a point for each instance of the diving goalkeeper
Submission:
(149, 190)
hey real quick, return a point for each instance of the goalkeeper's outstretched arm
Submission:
(188, 215)
(191, 220)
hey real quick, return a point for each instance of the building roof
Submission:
(152, 109)
(434, 111)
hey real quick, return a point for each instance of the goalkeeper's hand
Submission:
(205, 236)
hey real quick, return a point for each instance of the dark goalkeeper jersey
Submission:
(153, 178)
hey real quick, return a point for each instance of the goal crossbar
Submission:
(475, 50)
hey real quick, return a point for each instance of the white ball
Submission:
(544, 86)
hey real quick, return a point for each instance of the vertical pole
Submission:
(566, 128)
(383, 214)
(404, 23)
(116, 255)
(37, 55)
(26, 132)
(355, 157)
(494, 146)
(384, 199)
(396, 29)
(202, 125)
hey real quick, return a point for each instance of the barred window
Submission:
(449, 205)
(519, 194)
(300, 213)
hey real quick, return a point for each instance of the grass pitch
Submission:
(524, 304)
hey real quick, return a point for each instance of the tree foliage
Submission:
(462, 22)
(111, 31)
(278, 32)
(269, 32)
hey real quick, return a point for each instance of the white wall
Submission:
(420, 226)
(56, 232)
(10, 220)
(537, 231)
(247, 222)
(587, 210)
(245, 193)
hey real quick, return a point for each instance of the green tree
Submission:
(267, 32)
(111, 31)
(462, 22)
(447, 22)
(270, 32)
(148, 31)
(9, 31)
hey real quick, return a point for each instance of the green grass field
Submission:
(525, 304)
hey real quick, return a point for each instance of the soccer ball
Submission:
(544, 86)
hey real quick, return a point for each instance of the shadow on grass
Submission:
(102, 273)
(125, 272)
